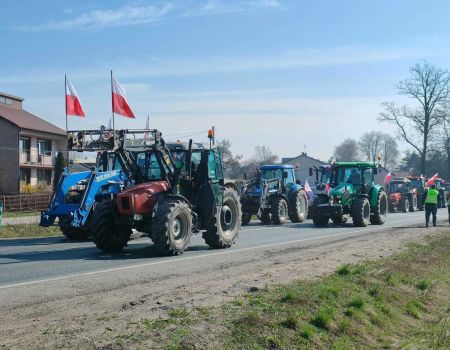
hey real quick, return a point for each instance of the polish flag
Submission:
(431, 180)
(308, 190)
(327, 186)
(388, 178)
(73, 105)
(119, 100)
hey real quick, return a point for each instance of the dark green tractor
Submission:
(354, 194)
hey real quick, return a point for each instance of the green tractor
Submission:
(353, 194)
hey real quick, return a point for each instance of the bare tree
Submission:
(374, 144)
(263, 155)
(347, 151)
(231, 163)
(370, 145)
(429, 86)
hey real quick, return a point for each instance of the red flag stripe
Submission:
(120, 106)
(73, 106)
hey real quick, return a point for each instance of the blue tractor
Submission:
(76, 193)
(274, 196)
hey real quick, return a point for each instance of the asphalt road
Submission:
(25, 262)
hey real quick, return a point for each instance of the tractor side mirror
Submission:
(297, 181)
(310, 171)
(285, 175)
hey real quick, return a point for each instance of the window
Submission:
(212, 165)
(44, 147)
(24, 144)
(290, 176)
(44, 175)
(25, 175)
(368, 176)
(6, 100)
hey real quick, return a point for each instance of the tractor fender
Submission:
(373, 195)
(177, 196)
(232, 186)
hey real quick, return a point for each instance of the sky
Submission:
(292, 75)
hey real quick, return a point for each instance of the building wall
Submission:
(9, 157)
(302, 165)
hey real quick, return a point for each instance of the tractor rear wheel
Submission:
(317, 219)
(226, 227)
(378, 216)
(265, 217)
(361, 212)
(108, 236)
(413, 204)
(404, 205)
(280, 211)
(172, 226)
(246, 217)
(298, 206)
(391, 208)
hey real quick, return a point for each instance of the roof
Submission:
(290, 159)
(276, 166)
(26, 120)
(357, 164)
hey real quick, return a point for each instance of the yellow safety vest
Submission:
(432, 197)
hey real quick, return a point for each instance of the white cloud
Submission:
(142, 14)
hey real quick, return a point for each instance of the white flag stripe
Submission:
(70, 89)
(118, 89)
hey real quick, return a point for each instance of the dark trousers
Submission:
(430, 209)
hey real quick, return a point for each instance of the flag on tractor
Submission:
(119, 99)
(73, 105)
(388, 178)
(431, 180)
(308, 190)
(327, 186)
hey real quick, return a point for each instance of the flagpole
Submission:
(112, 110)
(67, 120)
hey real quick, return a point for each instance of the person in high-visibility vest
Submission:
(431, 199)
(448, 206)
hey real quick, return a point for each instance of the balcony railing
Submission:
(33, 158)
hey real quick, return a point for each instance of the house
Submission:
(301, 164)
(28, 146)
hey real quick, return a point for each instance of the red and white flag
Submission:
(73, 105)
(308, 190)
(119, 100)
(388, 178)
(431, 180)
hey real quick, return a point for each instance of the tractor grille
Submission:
(125, 203)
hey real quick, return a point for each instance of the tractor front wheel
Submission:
(298, 206)
(246, 217)
(280, 211)
(413, 204)
(265, 217)
(378, 216)
(404, 205)
(172, 227)
(108, 236)
(361, 212)
(339, 220)
(227, 225)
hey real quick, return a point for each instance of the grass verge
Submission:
(15, 214)
(29, 231)
(400, 302)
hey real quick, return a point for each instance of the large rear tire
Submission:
(378, 216)
(227, 225)
(108, 236)
(317, 219)
(413, 204)
(172, 227)
(280, 211)
(298, 206)
(246, 218)
(265, 217)
(361, 212)
(404, 205)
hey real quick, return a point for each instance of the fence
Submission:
(25, 202)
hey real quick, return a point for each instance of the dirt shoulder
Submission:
(112, 313)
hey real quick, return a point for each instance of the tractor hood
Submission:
(140, 199)
(395, 197)
(342, 190)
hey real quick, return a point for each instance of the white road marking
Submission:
(207, 255)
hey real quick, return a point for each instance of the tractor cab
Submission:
(402, 195)
(322, 176)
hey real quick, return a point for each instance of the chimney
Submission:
(11, 100)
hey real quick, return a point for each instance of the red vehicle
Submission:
(402, 197)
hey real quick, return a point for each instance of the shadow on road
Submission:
(135, 251)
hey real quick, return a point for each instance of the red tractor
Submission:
(402, 197)
(175, 196)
